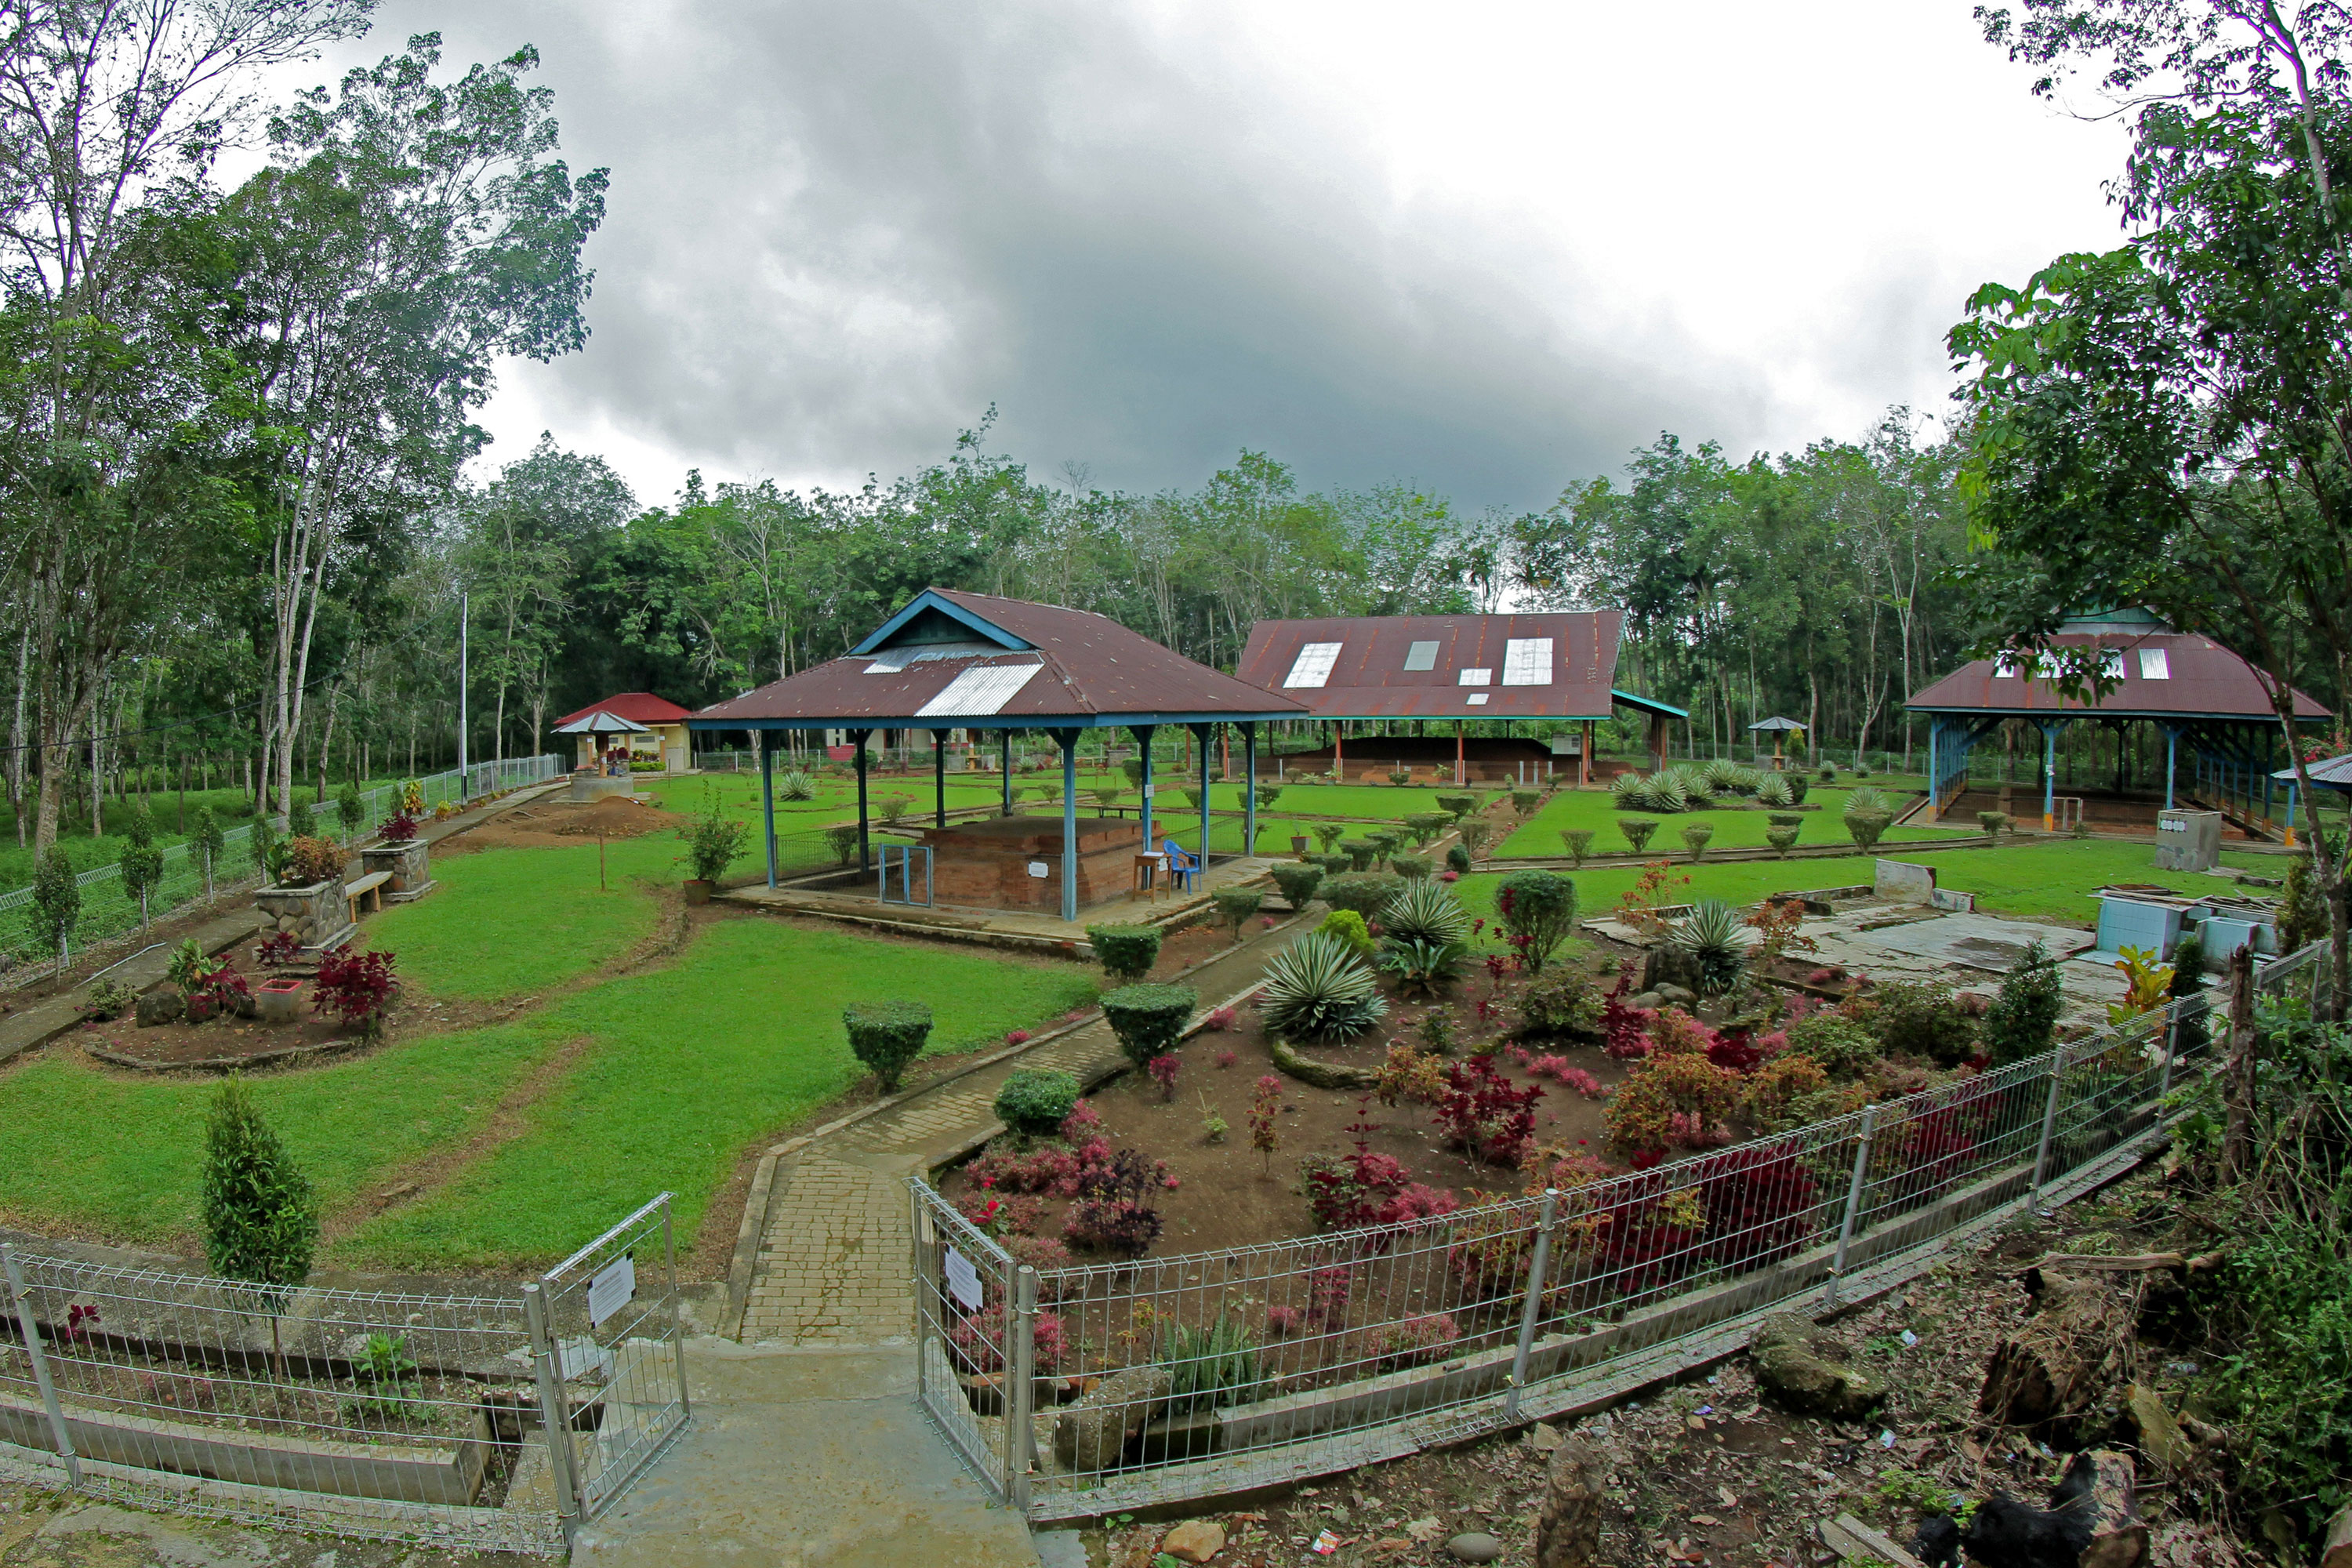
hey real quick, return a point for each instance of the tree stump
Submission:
(1568, 1532)
(2056, 1365)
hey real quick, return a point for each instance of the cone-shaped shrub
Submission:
(1150, 1019)
(1127, 952)
(887, 1036)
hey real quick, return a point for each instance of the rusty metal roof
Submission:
(2166, 675)
(955, 661)
(1558, 665)
(642, 706)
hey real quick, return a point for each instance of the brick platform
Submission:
(988, 864)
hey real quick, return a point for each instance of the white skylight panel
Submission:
(2155, 664)
(1313, 666)
(1477, 676)
(1477, 699)
(979, 692)
(1422, 656)
(1527, 661)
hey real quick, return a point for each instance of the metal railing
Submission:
(1215, 1372)
(394, 1415)
(108, 911)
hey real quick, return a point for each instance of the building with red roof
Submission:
(665, 740)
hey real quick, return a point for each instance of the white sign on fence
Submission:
(963, 1280)
(612, 1289)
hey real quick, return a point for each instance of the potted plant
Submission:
(402, 854)
(712, 845)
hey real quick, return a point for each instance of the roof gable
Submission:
(642, 707)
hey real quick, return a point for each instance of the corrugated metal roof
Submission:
(2335, 773)
(1081, 668)
(1556, 665)
(643, 706)
(2166, 675)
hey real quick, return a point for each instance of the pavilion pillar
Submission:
(1461, 766)
(1935, 780)
(1249, 787)
(1069, 739)
(2049, 777)
(857, 750)
(1143, 733)
(1201, 734)
(1007, 769)
(1338, 769)
(768, 797)
(2171, 752)
(1584, 761)
(938, 778)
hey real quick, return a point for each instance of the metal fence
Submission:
(108, 911)
(394, 1415)
(1215, 1372)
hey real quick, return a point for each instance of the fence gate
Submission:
(611, 1360)
(908, 858)
(964, 1312)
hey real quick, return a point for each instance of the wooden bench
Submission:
(370, 888)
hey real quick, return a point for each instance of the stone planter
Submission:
(410, 865)
(319, 916)
(279, 1001)
(1298, 844)
(698, 891)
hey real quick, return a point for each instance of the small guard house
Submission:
(1388, 669)
(952, 661)
(659, 736)
(2193, 689)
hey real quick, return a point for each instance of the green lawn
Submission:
(233, 807)
(1735, 829)
(2051, 881)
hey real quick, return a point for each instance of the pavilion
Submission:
(2190, 687)
(1558, 665)
(952, 660)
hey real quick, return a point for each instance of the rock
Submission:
(1474, 1546)
(155, 1007)
(1568, 1531)
(1806, 1370)
(1092, 1434)
(1675, 996)
(1195, 1540)
(1544, 1438)
(1663, 966)
(1646, 1000)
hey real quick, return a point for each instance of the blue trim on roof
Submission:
(928, 600)
(1649, 704)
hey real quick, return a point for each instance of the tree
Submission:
(259, 1214)
(57, 901)
(141, 863)
(205, 840)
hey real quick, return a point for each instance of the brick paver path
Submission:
(835, 1258)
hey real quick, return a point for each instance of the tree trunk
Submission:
(2062, 1359)
(2238, 1091)
(1568, 1531)
(17, 733)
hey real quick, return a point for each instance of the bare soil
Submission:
(556, 824)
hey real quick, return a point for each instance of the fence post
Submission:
(22, 1300)
(677, 1332)
(1020, 1429)
(1532, 1313)
(2173, 1017)
(554, 1419)
(1852, 1204)
(2049, 1126)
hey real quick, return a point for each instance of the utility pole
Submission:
(464, 606)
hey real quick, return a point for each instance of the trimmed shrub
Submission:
(1561, 1000)
(1412, 868)
(141, 863)
(1350, 928)
(1457, 860)
(1525, 801)
(1475, 833)
(1359, 852)
(2024, 1018)
(350, 810)
(887, 1036)
(1150, 1019)
(262, 842)
(1637, 831)
(1033, 1101)
(1126, 952)
(1577, 841)
(1425, 825)
(842, 840)
(1786, 818)
(1297, 883)
(259, 1215)
(206, 840)
(1385, 842)
(1798, 784)
(1319, 990)
(1992, 822)
(1458, 806)
(1695, 837)
(1365, 893)
(1235, 905)
(1920, 1018)
(1843, 1047)
(300, 821)
(1267, 794)
(1539, 908)
(1781, 838)
(1867, 824)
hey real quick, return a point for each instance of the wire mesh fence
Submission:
(1143, 1382)
(109, 910)
(398, 1416)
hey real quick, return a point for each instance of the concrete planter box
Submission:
(409, 863)
(319, 916)
(279, 1001)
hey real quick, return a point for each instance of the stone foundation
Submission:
(409, 862)
(987, 864)
(319, 916)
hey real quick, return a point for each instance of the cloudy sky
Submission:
(1486, 247)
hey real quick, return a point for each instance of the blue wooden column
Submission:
(1069, 739)
(1935, 779)
(857, 750)
(938, 778)
(1143, 733)
(1200, 734)
(768, 797)
(1008, 772)
(2049, 777)
(2171, 758)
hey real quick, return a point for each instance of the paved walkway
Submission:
(834, 1256)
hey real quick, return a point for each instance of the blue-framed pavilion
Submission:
(953, 660)
(2190, 687)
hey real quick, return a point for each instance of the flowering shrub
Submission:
(1827, 975)
(1017, 1036)
(1083, 1123)
(1734, 1049)
(1692, 1130)
(1674, 1032)
(1649, 1238)
(1414, 1342)
(1777, 1085)
(1327, 1291)
(1110, 1215)
(1641, 1113)
(978, 1342)
(1410, 1074)
(1163, 1069)
(1227, 1059)
(1281, 1322)
(1484, 1113)
(1624, 1030)
(1220, 1019)
(1345, 1192)
(355, 987)
(1040, 1252)
(1761, 1201)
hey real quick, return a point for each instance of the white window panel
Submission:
(2046, 666)
(2111, 664)
(1313, 667)
(2155, 664)
(2006, 668)
(1527, 661)
(1480, 675)
(979, 693)
(1477, 699)
(1421, 656)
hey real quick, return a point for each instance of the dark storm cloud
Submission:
(839, 231)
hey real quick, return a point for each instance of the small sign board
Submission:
(1040, 869)
(963, 1280)
(614, 1287)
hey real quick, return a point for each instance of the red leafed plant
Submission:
(278, 947)
(1347, 1192)
(1484, 1113)
(1734, 1048)
(355, 987)
(1624, 1030)
(1163, 1069)
(398, 828)
(1761, 1202)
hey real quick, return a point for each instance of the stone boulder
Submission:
(155, 1007)
(1091, 1434)
(1808, 1370)
(1195, 1540)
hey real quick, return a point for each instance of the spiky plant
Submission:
(1629, 792)
(1722, 776)
(1317, 990)
(1667, 793)
(1866, 799)
(1709, 936)
(1421, 967)
(795, 785)
(1425, 911)
(1773, 791)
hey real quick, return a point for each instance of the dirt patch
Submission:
(557, 824)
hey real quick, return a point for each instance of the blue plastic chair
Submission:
(1181, 867)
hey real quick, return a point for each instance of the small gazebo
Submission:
(952, 660)
(1779, 729)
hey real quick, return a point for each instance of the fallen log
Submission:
(1857, 1542)
(2132, 1263)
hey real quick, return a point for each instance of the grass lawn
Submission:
(689, 1063)
(232, 807)
(2051, 882)
(1736, 829)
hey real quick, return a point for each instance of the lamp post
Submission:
(464, 605)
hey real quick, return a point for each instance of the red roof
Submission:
(1431, 666)
(953, 657)
(637, 706)
(2166, 675)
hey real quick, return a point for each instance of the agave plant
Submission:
(1667, 793)
(1866, 799)
(1709, 936)
(1421, 965)
(1774, 791)
(1317, 990)
(795, 785)
(1722, 776)
(1630, 791)
(1425, 911)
